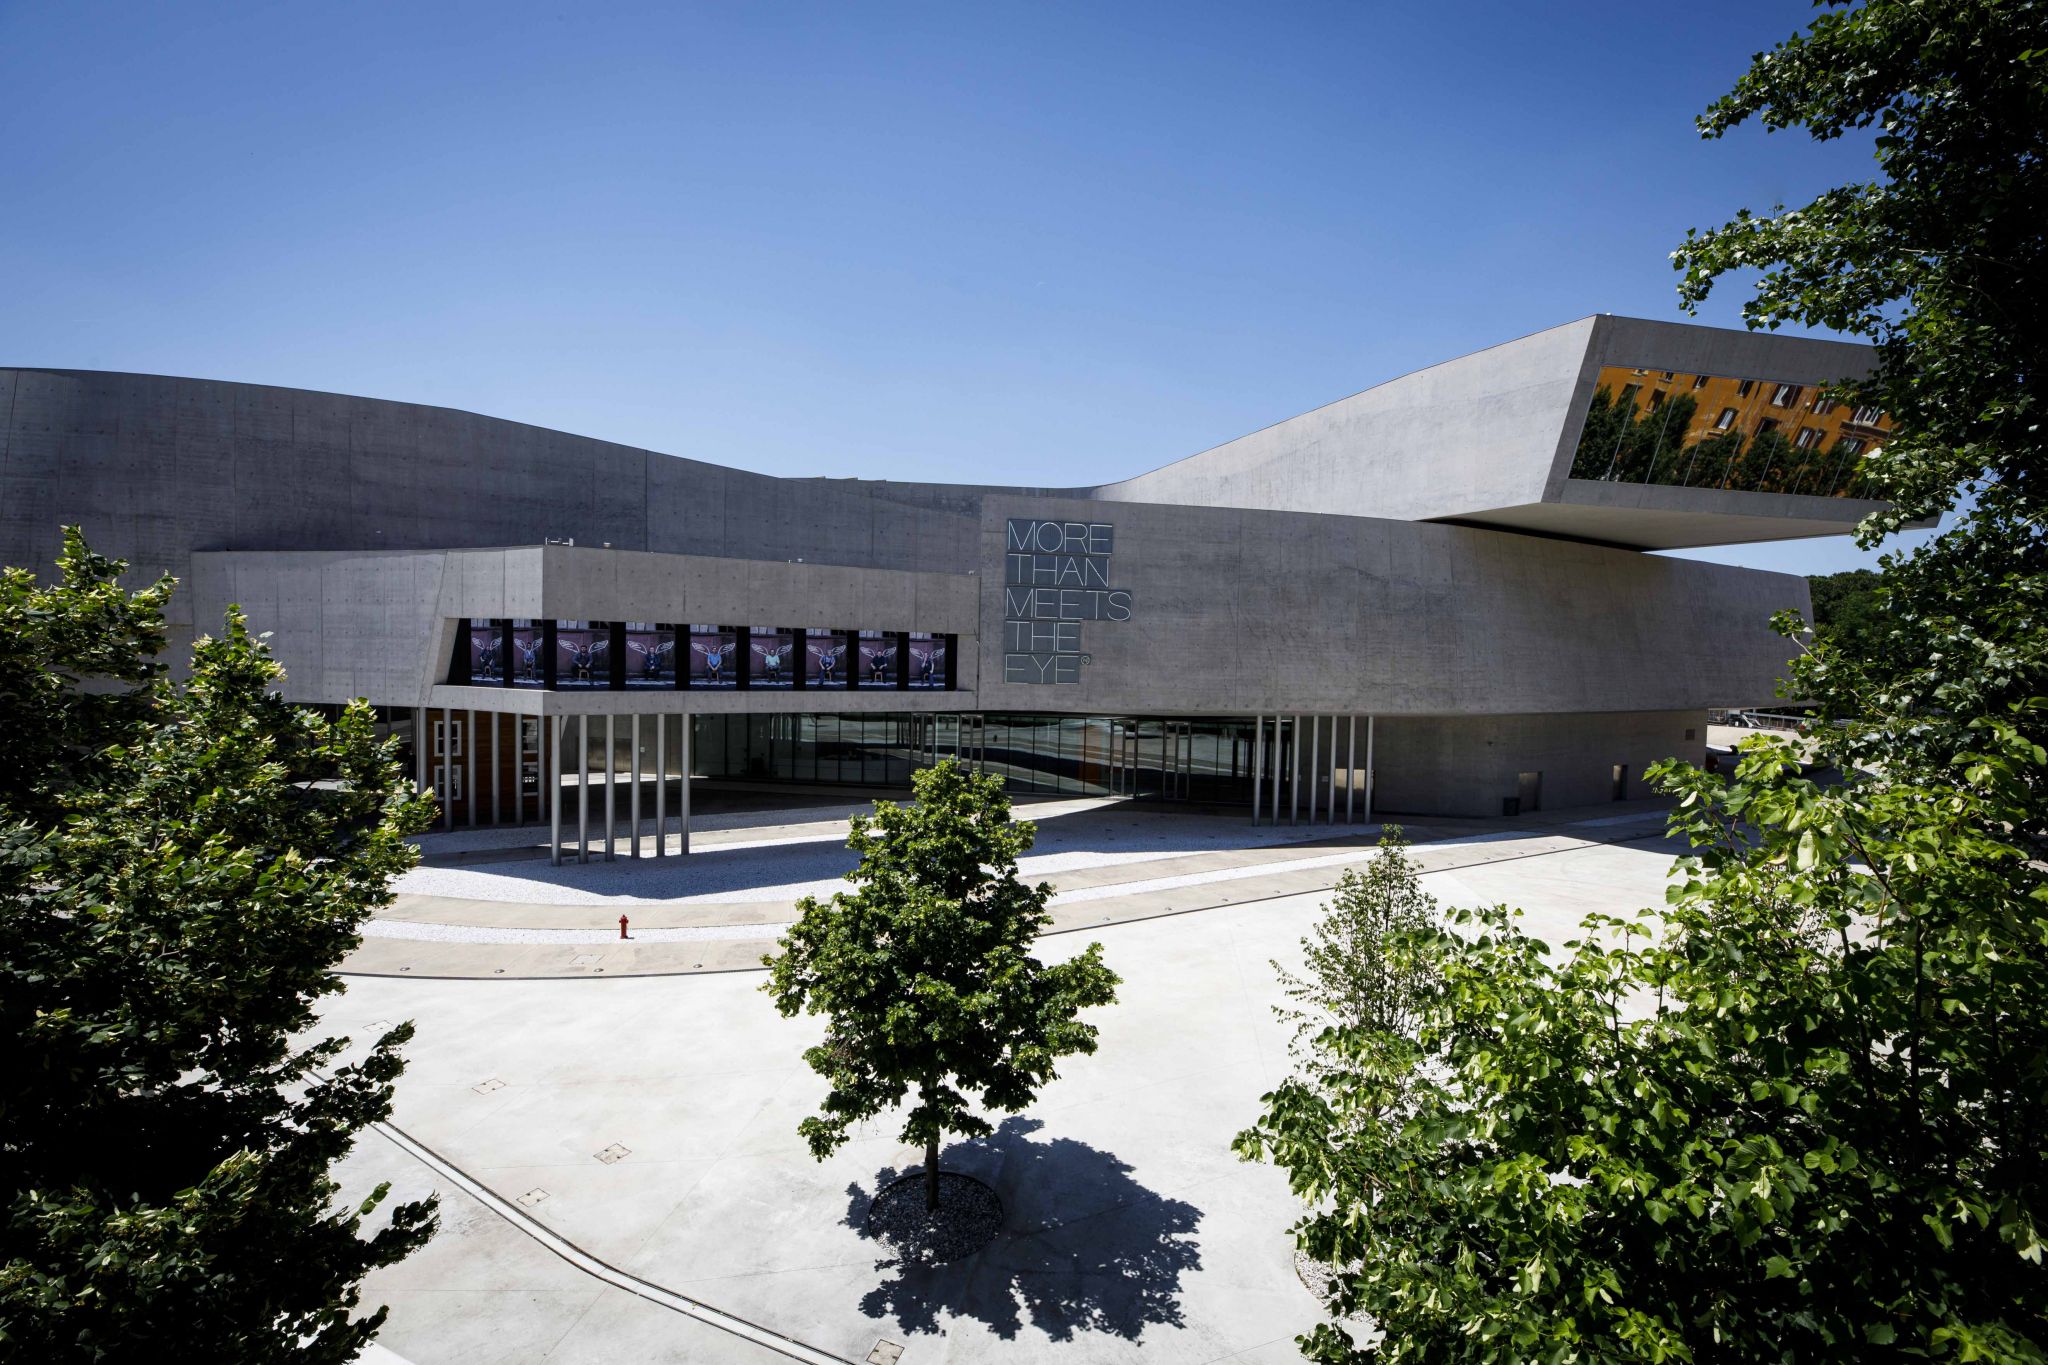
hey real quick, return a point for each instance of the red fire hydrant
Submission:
(622, 926)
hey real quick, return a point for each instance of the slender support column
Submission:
(683, 811)
(497, 774)
(660, 784)
(583, 788)
(1315, 758)
(1278, 750)
(551, 740)
(1351, 774)
(1368, 768)
(422, 744)
(444, 763)
(1258, 762)
(611, 771)
(633, 813)
(1294, 775)
(469, 763)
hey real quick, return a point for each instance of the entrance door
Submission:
(1531, 788)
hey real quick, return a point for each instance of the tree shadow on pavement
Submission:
(1083, 1247)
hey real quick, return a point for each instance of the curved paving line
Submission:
(765, 1337)
(1096, 927)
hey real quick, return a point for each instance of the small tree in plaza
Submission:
(181, 865)
(1354, 1011)
(925, 975)
(1357, 973)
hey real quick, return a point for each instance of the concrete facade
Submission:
(1416, 553)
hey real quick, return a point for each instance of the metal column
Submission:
(1351, 773)
(551, 740)
(444, 767)
(1315, 756)
(1368, 768)
(1277, 750)
(1258, 762)
(1294, 776)
(422, 740)
(683, 809)
(611, 769)
(497, 773)
(583, 788)
(633, 811)
(660, 784)
(469, 763)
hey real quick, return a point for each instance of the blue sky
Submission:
(1046, 243)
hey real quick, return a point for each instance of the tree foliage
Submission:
(180, 867)
(925, 973)
(1351, 976)
(1849, 607)
(1801, 1114)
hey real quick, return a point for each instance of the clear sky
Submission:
(1040, 243)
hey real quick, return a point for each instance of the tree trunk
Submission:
(931, 1174)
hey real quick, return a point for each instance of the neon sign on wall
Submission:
(1055, 579)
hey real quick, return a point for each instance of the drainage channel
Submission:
(754, 1332)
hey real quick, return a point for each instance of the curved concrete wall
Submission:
(1235, 610)
(156, 468)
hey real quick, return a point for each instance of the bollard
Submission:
(622, 926)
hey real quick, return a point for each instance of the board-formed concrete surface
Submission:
(1132, 1233)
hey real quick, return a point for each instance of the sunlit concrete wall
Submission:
(1468, 765)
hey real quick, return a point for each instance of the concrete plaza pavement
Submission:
(1131, 1231)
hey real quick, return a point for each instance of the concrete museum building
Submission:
(1431, 597)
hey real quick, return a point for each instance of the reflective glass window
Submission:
(773, 650)
(825, 661)
(582, 654)
(1715, 435)
(486, 664)
(878, 661)
(927, 660)
(713, 660)
(650, 654)
(529, 669)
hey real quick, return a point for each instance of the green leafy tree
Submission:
(1352, 976)
(1849, 609)
(925, 974)
(180, 867)
(1802, 1114)
(1355, 1002)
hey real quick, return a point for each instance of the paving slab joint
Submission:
(765, 1337)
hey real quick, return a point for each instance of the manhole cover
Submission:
(886, 1353)
(585, 959)
(613, 1153)
(486, 1087)
(533, 1197)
